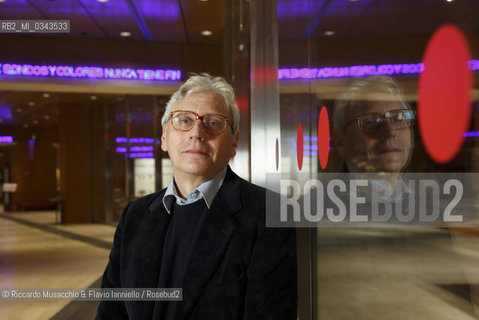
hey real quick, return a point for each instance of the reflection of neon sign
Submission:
(88, 72)
(357, 71)
(309, 150)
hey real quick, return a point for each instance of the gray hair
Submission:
(205, 82)
(350, 97)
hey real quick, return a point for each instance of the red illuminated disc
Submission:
(299, 146)
(444, 103)
(323, 137)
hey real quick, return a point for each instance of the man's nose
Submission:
(387, 129)
(198, 131)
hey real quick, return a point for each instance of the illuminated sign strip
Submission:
(126, 73)
(6, 139)
(357, 71)
(88, 72)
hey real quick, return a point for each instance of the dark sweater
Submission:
(180, 236)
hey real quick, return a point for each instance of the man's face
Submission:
(387, 149)
(195, 152)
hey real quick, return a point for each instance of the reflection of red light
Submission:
(242, 103)
(323, 137)
(444, 104)
(299, 146)
(265, 74)
(277, 154)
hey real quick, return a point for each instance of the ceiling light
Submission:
(93, 97)
(125, 34)
(25, 125)
(449, 0)
(102, 0)
(206, 33)
(328, 33)
(19, 110)
(46, 117)
(46, 95)
(31, 103)
(2, 0)
(35, 121)
(353, 0)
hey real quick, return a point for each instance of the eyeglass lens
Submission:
(213, 124)
(398, 119)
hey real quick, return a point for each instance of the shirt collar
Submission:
(207, 191)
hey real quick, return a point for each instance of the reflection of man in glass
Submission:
(372, 126)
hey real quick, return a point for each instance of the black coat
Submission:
(238, 268)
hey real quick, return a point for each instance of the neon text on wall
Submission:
(357, 71)
(88, 72)
(136, 151)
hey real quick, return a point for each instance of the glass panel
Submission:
(325, 48)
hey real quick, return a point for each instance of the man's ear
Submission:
(338, 142)
(164, 145)
(235, 143)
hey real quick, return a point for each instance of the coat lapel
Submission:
(152, 238)
(211, 241)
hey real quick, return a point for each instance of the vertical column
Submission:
(266, 130)
(265, 113)
(237, 72)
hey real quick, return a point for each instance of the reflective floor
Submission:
(362, 273)
(379, 273)
(35, 252)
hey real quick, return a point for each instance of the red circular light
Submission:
(323, 137)
(299, 146)
(444, 103)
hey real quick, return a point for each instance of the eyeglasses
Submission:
(213, 123)
(399, 119)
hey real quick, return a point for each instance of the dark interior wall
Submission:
(34, 173)
(75, 162)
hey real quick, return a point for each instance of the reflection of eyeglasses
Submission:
(399, 119)
(185, 120)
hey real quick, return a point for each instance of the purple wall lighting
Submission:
(31, 149)
(6, 139)
(135, 140)
(357, 71)
(143, 155)
(136, 151)
(471, 134)
(5, 112)
(88, 72)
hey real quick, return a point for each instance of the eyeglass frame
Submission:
(384, 116)
(198, 117)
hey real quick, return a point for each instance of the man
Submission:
(372, 132)
(206, 232)
(372, 126)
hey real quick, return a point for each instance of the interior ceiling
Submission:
(182, 21)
